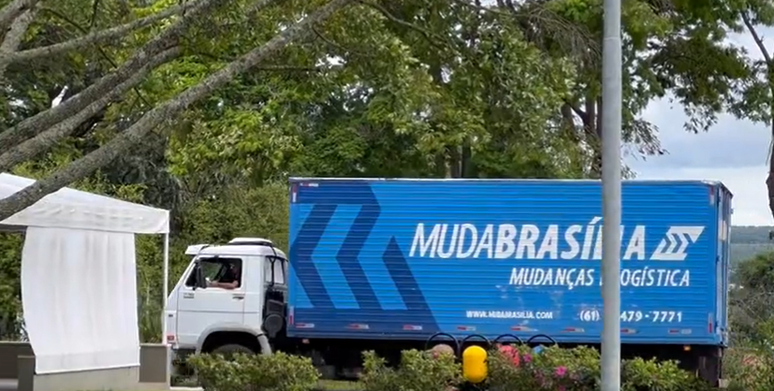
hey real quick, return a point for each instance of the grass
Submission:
(339, 385)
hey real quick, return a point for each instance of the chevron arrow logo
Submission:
(675, 243)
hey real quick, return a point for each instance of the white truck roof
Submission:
(242, 250)
(237, 246)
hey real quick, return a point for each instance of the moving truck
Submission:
(391, 264)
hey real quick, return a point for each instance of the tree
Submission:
(756, 100)
(475, 101)
(49, 126)
(294, 113)
(203, 106)
(671, 49)
(411, 79)
(751, 303)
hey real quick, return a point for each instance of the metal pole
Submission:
(165, 293)
(611, 196)
(165, 290)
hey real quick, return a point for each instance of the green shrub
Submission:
(578, 369)
(749, 369)
(510, 369)
(278, 372)
(417, 371)
(651, 375)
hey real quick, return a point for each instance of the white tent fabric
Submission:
(69, 208)
(79, 291)
(79, 294)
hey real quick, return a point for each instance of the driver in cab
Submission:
(229, 279)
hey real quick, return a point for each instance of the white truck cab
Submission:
(204, 316)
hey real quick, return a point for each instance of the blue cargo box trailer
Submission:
(384, 262)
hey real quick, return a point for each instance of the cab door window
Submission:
(274, 270)
(219, 272)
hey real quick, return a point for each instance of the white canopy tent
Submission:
(79, 292)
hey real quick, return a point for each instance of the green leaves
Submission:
(418, 371)
(652, 375)
(10, 294)
(403, 75)
(278, 372)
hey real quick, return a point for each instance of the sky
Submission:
(733, 152)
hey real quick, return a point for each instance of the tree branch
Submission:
(770, 70)
(429, 36)
(13, 10)
(580, 113)
(45, 119)
(258, 6)
(99, 49)
(47, 139)
(166, 111)
(97, 36)
(14, 35)
(94, 11)
(756, 37)
(337, 46)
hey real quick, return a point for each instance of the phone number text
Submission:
(636, 316)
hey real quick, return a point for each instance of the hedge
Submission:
(278, 372)
(752, 369)
(510, 368)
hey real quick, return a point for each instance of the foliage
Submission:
(10, 293)
(278, 372)
(749, 363)
(757, 273)
(221, 168)
(639, 374)
(417, 371)
(750, 305)
(750, 369)
(578, 369)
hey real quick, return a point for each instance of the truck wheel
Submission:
(229, 350)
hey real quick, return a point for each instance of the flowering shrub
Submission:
(510, 368)
(578, 369)
(554, 369)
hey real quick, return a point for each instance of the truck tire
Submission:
(229, 350)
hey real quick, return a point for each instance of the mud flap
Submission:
(710, 368)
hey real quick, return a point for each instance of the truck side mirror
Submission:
(272, 260)
(201, 282)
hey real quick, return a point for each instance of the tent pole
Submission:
(165, 290)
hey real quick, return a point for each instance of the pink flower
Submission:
(540, 379)
(560, 371)
(527, 358)
(561, 388)
(511, 353)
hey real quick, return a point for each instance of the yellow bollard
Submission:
(474, 367)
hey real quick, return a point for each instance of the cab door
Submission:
(199, 309)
